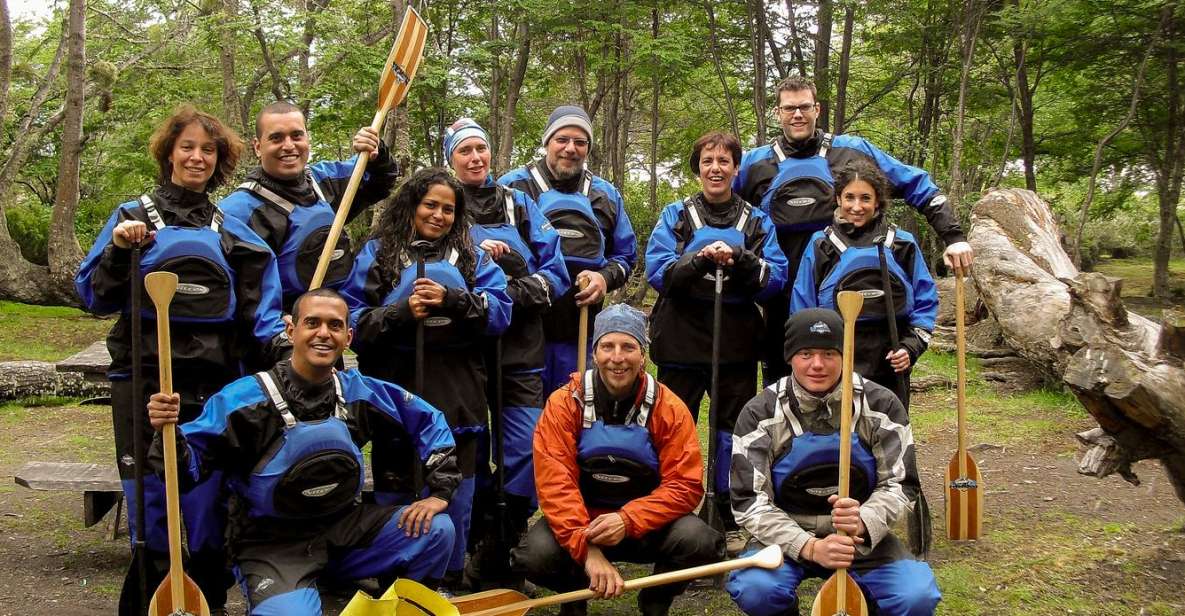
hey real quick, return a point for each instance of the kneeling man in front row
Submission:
(784, 482)
(289, 440)
(618, 471)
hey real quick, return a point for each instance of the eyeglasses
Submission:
(564, 141)
(790, 109)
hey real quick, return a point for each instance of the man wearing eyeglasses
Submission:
(790, 179)
(596, 236)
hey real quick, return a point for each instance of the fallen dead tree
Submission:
(1125, 369)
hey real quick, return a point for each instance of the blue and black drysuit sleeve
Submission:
(381, 173)
(549, 276)
(621, 249)
(102, 279)
(805, 292)
(258, 293)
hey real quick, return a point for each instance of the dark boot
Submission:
(575, 608)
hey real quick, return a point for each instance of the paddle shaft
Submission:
(169, 437)
(582, 335)
(404, 75)
(140, 545)
(499, 444)
(891, 316)
(961, 347)
(712, 516)
(669, 577)
(417, 470)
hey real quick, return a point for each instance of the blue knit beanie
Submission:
(460, 131)
(564, 116)
(621, 318)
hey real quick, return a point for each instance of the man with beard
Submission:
(596, 236)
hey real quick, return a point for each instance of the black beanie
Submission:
(813, 328)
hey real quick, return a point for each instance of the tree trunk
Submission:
(795, 39)
(1126, 370)
(713, 42)
(5, 61)
(522, 34)
(823, 62)
(64, 251)
(1169, 165)
(655, 95)
(841, 87)
(768, 35)
(232, 110)
(970, 35)
(757, 41)
(1028, 147)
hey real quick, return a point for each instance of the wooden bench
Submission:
(99, 484)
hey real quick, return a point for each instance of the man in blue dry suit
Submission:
(291, 204)
(289, 441)
(596, 236)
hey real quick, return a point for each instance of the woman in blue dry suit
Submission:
(510, 227)
(714, 228)
(227, 307)
(460, 300)
(846, 256)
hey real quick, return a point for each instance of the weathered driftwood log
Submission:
(22, 379)
(1125, 369)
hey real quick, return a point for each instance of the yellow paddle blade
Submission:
(404, 60)
(827, 600)
(415, 599)
(192, 602)
(363, 604)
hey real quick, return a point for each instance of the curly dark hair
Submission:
(864, 170)
(228, 142)
(397, 230)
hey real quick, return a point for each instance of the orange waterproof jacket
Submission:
(557, 476)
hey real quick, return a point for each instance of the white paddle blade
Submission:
(770, 557)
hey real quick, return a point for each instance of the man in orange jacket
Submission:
(618, 471)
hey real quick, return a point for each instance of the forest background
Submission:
(1079, 100)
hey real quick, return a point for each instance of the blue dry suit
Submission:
(681, 322)
(618, 462)
(796, 457)
(292, 453)
(793, 183)
(454, 375)
(296, 229)
(841, 258)
(595, 234)
(226, 312)
(535, 277)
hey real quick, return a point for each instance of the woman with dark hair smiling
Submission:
(227, 307)
(713, 230)
(459, 301)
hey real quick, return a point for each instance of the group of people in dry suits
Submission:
(462, 309)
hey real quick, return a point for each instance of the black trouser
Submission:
(737, 385)
(773, 345)
(203, 508)
(686, 542)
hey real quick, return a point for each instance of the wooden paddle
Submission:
(964, 484)
(840, 595)
(582, 335)
(398, 73)
(512, 603)
(177, 593)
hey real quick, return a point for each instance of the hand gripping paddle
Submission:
(512, 603)
(964, 484)
(400, 70)
(840, 595)
(177, 593)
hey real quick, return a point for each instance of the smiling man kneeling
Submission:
(618, 471)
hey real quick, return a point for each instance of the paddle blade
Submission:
(162, 600)
(850, 303)
(404, 60)
(770, 557)
(363, 604)
(415, 599)
(827, 601)
(161, 286)
(964, 500)
(489, 601)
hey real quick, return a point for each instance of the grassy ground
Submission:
(1137, 284)
(46, 333)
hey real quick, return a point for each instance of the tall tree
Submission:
(823, 62)
(64, 251)
(845, 54)
(970, 34)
